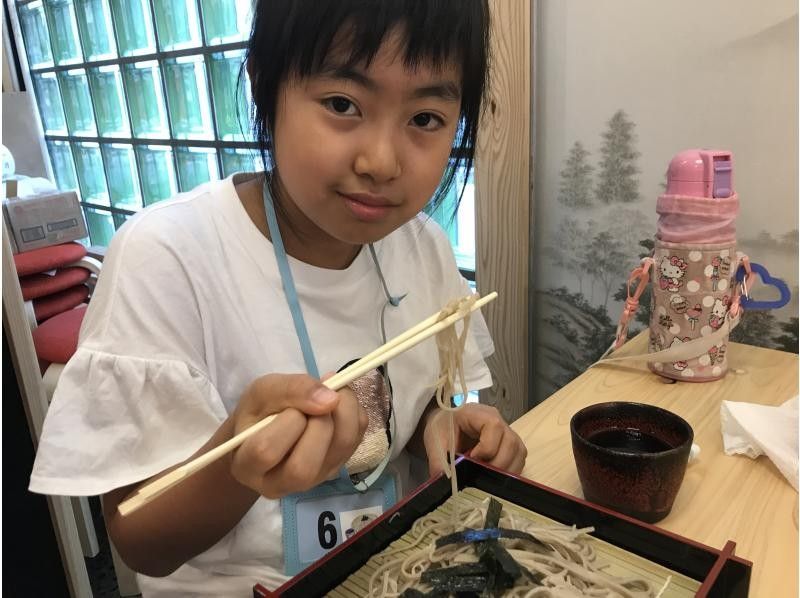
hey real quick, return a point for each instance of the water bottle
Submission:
(694, 265)
(699, 281)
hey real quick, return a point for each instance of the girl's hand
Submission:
(477, 427)
(312, 437)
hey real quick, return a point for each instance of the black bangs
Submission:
(304, 37)
(352, 32)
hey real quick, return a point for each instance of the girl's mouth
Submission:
(367, 208)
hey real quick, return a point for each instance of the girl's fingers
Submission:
(275, 392)
(436, 464)
(518, 464)
(510, 454)
(265, 450)
(304, 467)
(314, 433)
(490, 441)
(497, 444)
(349, 423)
(436, 440)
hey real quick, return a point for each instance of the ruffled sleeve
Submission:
(115, 420)
(135, 398)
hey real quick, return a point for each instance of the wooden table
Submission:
(722, 497)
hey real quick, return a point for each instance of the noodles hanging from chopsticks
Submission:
(450, 345)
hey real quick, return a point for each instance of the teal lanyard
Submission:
(288, 286)
(289, 290)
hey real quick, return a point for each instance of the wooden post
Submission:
(502, 180)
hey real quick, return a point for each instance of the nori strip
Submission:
(504, 570)
(460, 586)
(500, 556)
(468, 536)
(493, 514)
(495, 571)
(437, 576)
(471, 536)
(518, 535)
(465, 583)
(434, 593)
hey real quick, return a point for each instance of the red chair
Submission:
(56, 282)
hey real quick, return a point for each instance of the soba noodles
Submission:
(560, 563)
(450, 345)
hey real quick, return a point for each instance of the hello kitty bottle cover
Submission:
(694, 264)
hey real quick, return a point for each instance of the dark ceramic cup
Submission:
(631, 457)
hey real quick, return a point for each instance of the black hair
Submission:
(294, 37)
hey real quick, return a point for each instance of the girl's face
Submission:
(360, 151)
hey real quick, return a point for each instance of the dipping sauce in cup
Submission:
(631, 457)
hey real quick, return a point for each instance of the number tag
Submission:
(322, 523)
(316, 521)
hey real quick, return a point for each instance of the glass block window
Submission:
(139, 99)
(460, 226)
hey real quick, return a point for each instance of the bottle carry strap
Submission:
(641, 275)
(684, 351)
(688, 349)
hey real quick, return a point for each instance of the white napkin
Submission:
(755, 430)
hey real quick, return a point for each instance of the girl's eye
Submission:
(427, 120)
(341, 105)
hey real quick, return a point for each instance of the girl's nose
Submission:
(378, 158)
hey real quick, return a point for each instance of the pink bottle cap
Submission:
(701, 173)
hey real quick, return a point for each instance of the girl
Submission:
(223, 305)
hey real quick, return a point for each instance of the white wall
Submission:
(716, 74)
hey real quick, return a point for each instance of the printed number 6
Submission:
(326, 530)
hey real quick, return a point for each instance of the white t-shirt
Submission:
(188, 310)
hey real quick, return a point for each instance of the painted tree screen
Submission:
(611, 112)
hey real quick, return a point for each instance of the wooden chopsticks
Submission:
(405, 341)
